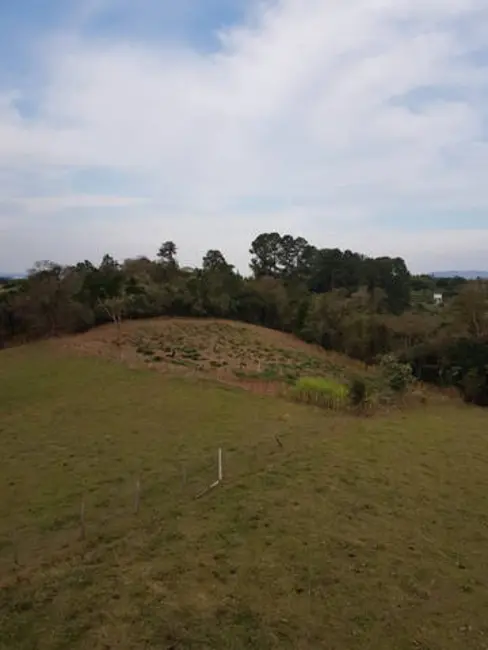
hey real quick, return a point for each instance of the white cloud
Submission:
(302, 107)
(42, 205)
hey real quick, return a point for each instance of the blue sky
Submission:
(355, 123)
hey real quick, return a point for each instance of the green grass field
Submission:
(329, 531)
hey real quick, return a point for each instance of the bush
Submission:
(357, 392)
(327, 393)
(399, 376)
(474, 387)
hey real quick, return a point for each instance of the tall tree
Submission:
(391, 275)
(215, 261)
(167, 253)
(470, 308)
(265, 254)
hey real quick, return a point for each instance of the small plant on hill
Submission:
(357, 392)
(399, 376)
(474, 387)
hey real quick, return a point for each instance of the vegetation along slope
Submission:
(340, 300)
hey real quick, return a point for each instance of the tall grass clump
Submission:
(321, 391)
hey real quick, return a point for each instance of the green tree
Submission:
(391, 275)
(470, 308)
(214, 261)
(265, 254)
(167, 254)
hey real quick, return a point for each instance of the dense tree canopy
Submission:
(362, 306)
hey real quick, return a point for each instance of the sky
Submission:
(359, 124)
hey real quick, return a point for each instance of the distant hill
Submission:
(469, 275)
(11, 276)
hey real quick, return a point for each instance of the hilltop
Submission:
(231, 352)
(361, 307)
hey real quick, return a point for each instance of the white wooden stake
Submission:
(218, 481)
(221, 475)
(82, 520)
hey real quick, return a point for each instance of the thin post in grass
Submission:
(219, 479)
(82, 520)
(183, 473)
(137, 496)
(221, 470)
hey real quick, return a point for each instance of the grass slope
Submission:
(229, 351)
(353, 534)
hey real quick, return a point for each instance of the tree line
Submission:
(362, 306)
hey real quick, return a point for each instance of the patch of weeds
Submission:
(145, 350)
(287, 354)
(190, 353)
(290, 377)
(271, 373)
(181, 362)
(358, 392)
(321, 391)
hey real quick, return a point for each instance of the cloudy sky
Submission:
(354, 123)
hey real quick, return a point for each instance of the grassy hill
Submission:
(329, 531)
(230, 352)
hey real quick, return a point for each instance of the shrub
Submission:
(144, 350)
(475, 387)
(270, 373)
(399, 376)
(357, 392)
(327, 393)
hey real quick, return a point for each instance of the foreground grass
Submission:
(349, 534)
